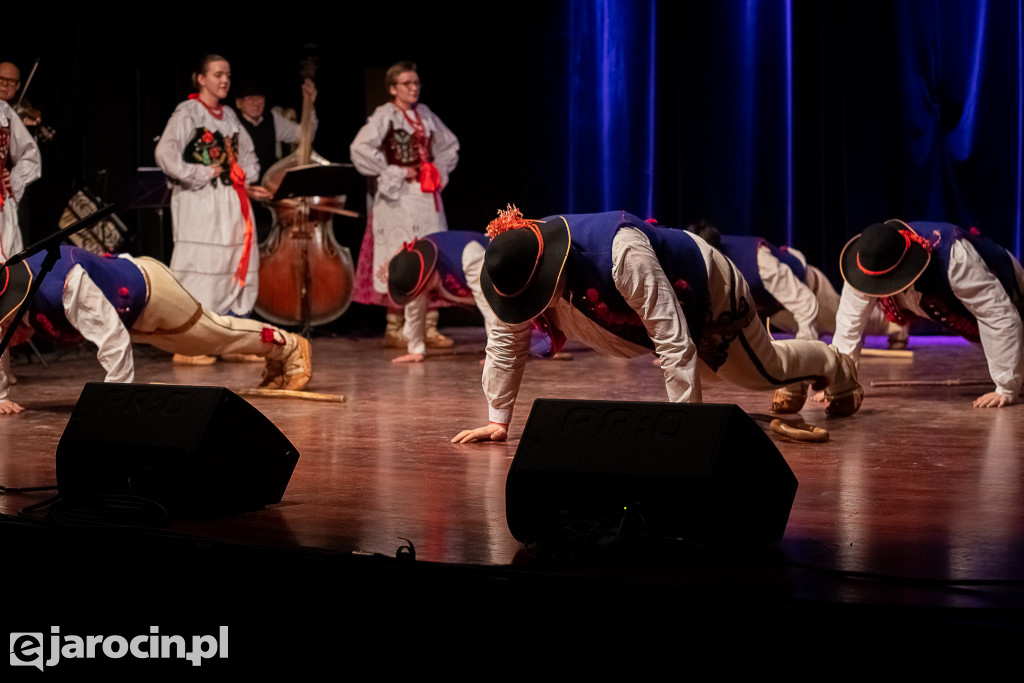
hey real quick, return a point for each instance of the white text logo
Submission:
(27, 649)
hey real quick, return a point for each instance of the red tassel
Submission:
(914, 237)
(509, 219)
(430, 178)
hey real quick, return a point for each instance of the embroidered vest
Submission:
(742, 250)
(121, 282)
(402, 148)
(937, 297)
(593, 291)
(450, 246)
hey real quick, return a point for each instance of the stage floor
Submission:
(916, 502)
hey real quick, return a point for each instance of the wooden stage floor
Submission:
(913, 512)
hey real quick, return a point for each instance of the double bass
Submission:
(306, 277)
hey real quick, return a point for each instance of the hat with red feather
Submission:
(522, 264)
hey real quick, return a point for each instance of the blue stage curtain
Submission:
(728, 105)
(960, 110)
(802, 122)
(612, 77)
(698, 92)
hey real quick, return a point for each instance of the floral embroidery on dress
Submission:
(212, 148)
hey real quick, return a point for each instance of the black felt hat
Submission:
(14, 284)
(885, 259)
(410, 269)
(247, 87)
(521, 268)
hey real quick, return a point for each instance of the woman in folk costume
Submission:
(408, 153)
(20, 164)
(210, 159)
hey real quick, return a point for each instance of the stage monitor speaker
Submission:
(195, 450)
(702, 472)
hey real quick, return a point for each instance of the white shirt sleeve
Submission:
(641, 280)
(472, 266)
(368, 158)
(286, 130)
(508, 347)
(365, 151)
(28, 164)
(851, 321)
(89, 312)
(999, 323)
(415, 327)
(781, 282)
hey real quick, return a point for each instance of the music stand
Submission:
(149, 190)
(312, 180)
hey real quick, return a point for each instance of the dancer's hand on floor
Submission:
(993, 399)
(492, 432)
(10, 408)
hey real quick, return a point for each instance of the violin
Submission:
(29, 115)
(33, 120)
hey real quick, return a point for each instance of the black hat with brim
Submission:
(14, 285)
(247, 87)
(885, 259)
(410, 269)
(521, 269)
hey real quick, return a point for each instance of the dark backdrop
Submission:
(799, 121)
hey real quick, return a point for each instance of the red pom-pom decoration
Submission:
(509, 219)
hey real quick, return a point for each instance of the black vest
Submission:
(264, 139)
